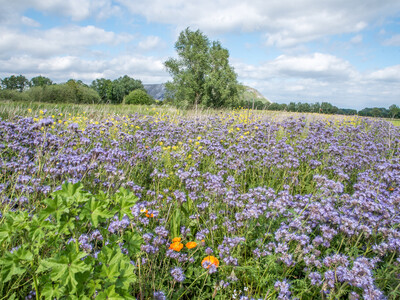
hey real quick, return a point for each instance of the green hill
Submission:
(249, 94)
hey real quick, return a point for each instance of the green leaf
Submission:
(110, 258)
(175, 222)
(133, 241)
(93, 286)
(13, 224)
(53, 291)
(124, 200)
(14, 263)
(56, 207)
(64, 266)
(109, 294)
(94, 210)
(38, 229)
(116, 267)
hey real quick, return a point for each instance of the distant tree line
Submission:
(131, 91)
(42, 89)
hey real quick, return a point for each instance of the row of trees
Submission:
(21, 83)
(42, 89)
(327, 108)
(131, 91)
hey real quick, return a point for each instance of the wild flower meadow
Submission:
(233, 205)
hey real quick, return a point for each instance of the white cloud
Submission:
(151, 43)
(62, 68)
(284, 23)
(356, 39)
(29, 22)
(316, 65)
(58, 40)
(321, 77)
(391, 74)
(393, 41)
(77, 10)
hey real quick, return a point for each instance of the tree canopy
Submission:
(13, 82)
(201, 74)
(41, 81)
(115, 91)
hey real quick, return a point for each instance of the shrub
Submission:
(139, 97)
(64, 93)
(13, 95)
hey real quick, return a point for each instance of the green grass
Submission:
(395, 122)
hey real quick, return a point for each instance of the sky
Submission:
(339, 51)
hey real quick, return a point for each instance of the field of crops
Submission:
(228, 205)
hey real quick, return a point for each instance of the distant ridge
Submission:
(251, 94)
(157, 91)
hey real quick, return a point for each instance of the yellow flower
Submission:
(191, 245)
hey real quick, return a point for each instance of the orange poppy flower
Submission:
(176, 246)
(177, 239)
(212, 260)
(391, 189)
(149, 215)
(191, 245)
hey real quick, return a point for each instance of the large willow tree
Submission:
(201, 75)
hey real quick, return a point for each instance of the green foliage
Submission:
(202, 74)
(394, 111)
(47, 246)
(13, 82)
(115, 91)
(104, 88)
(138, 97)
(70, 92)
(40, 81)
(13, 95)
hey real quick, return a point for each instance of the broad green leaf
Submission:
(14, 263)
(8, 270)
(53, 291)
(109, 294)
(124, 200)
(38, 228)
(94, 210)
(116, 267)
(126, 276)
(64, 266)
(93, 286)
(133, 241)
(56, 207)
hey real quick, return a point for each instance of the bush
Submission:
(64, 93)
(13, 95)
(139, 97)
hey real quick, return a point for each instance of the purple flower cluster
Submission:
(318, 197)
